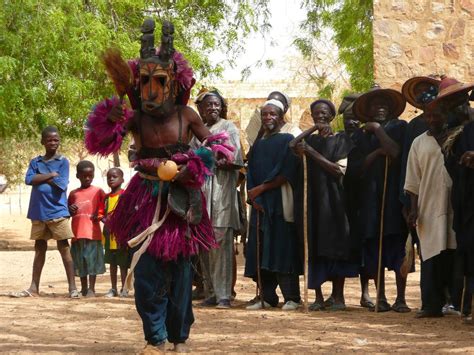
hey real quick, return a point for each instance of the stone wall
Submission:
(422, 37)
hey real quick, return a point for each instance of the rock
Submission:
(426, 54)
(398, 5)
(450, 51)
(408, 27)
(458, 29)
(467, 5)
(437, 28)
(382, 28)
(395, 51)
(437, 7)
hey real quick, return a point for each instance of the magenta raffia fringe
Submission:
(98, 128)
(134, 213)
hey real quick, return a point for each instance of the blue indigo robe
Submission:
(271, 157)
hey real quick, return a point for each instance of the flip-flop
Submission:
(74, 294)
(401, 307)
(383, 307)
(367, 304)
(316, 306)
(329, 302)
(21, 294)
(336, 307)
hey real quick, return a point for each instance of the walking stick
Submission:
(382, 214)
(305, 232)
(259, 274)
(463, 297)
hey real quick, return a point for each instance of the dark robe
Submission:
(270, 158)
(328, 225)
(462, 196)
(331, 248)
(372, 186)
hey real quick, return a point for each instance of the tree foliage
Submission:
(49, 55)
(49, 67)
(350, 24)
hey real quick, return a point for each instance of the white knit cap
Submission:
(274, 103)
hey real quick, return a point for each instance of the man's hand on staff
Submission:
(255, 192)
(300, 148)
(257, 206)
(467, 159)
(371, 126)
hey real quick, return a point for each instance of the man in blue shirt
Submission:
(49, 176)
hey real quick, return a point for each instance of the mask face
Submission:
(158, 88)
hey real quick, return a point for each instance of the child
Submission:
(49, 176)
(113, 255)
(85, 207)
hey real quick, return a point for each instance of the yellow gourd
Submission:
(167, 170)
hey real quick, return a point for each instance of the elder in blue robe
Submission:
(272, 165)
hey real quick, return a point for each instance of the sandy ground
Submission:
(53, 323)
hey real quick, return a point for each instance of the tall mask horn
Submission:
(147, 49)
(167, 41)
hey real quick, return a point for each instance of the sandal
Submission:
(21, 294)
(383, 307)
(401, 307)
(367, 303)
(74, 294)
(316, 306)
(336, 307)
(329, 302)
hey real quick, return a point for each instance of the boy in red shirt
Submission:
(85, 206)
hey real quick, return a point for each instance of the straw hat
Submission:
(395, 99)
(346, 106)
(418, 89)
(449, 87)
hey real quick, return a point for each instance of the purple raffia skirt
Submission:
(176, 237)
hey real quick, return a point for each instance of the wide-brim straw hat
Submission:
(449, 87)
(397, 103)
(347, 104)
(409, 89)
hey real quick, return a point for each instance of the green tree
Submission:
(349, 23)
(49, 67)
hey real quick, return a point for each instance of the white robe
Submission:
(428, 178)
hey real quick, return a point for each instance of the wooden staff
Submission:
(259, 274)
(305, 232)
(463, 296)
(382, 214)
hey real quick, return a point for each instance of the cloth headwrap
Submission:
(327, 102)
(287, 98)
(274, 103)
(213, 93)
(201, 95)
(216, 93)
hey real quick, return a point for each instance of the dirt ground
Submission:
(53, 323)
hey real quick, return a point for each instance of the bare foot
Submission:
(154, 349)
(180, 348)
(366, 301)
